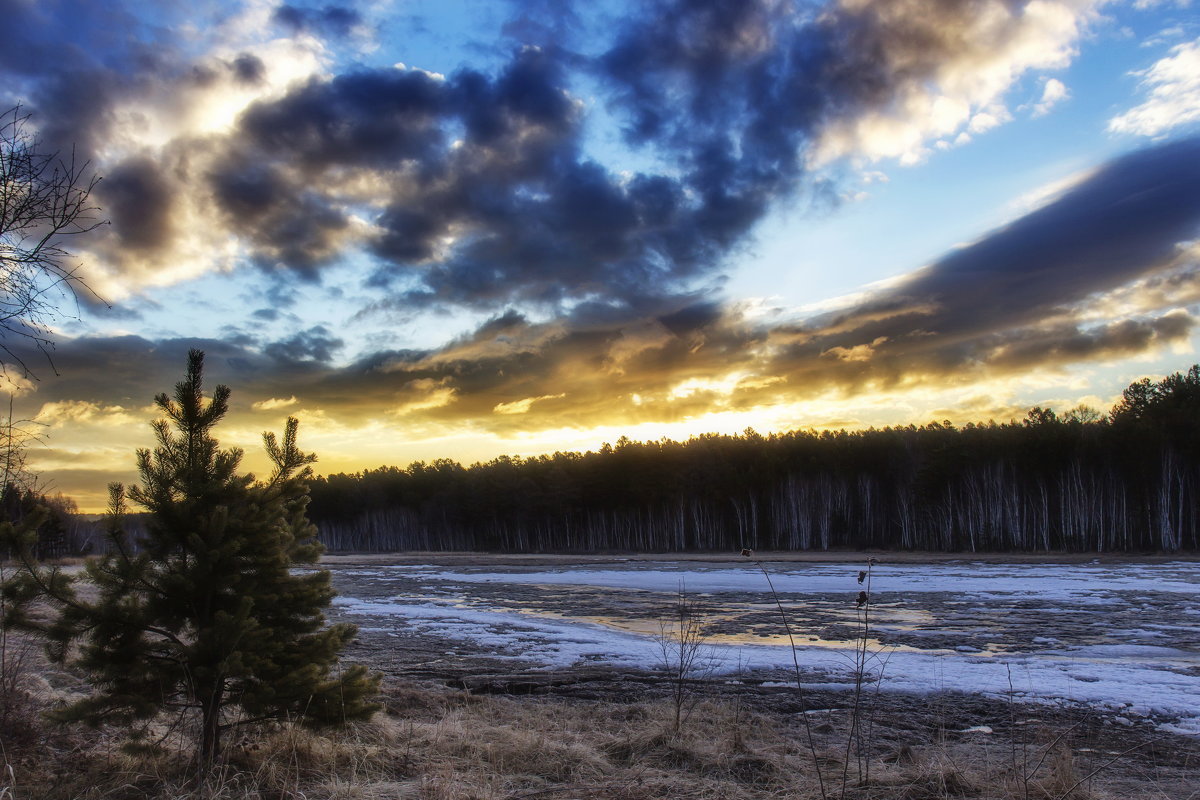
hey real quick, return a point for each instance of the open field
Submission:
(473, 720)
(613, 737)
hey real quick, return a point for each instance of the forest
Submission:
(1081, 481)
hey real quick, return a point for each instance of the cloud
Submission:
(316, 344)
(487, 196)
(1053, 92)
(138, 200)
(506, 208)
(64, 412)
(1021, 298)
(249, 146)
(275, 403)
(1031, 291)
(1125, 219)
(1068, 343)
(423, 394)
(243, 143)
(1144, 5)
(14, 381)
(1173, 83)
(1024, 296)
(1108, 269)
(523, 405)
(142, 103)
(331, 20)
(942, 67)
(1105, 270)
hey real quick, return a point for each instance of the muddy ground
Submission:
(1114, 757)
(1129, 757)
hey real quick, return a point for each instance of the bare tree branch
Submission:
(45, 197)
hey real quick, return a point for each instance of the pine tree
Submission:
(204, 616)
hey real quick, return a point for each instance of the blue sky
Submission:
(461, 229)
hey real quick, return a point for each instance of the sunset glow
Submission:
(464, 229)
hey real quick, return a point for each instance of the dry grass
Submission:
(438, 744)
(433, 743)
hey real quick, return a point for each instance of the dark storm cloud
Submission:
(691, 318)
(1120, 224)
(1122, 221)
(487, 195)
(1068, 343)
(1027, 290)
(129, 371)
(362, 119)
(292, 226)
(137, 198)
(69, 63)
(331, 20)
(511, 210)
(234, 335)
(492, 164)
(249, 68)
(1019, 299)
(314, 344)
(477, 189)
(491, 198)
(87, 71)
(729, 66)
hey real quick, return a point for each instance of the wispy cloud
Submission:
(1053, 92)
(274, 403)
(1173, 86)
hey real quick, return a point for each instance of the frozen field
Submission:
(1124, 637)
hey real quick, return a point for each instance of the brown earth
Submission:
(921, 745)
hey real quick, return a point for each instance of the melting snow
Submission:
(1136, 680)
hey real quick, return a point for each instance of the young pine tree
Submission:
(205, 617)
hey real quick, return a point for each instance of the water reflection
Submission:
(986, 609)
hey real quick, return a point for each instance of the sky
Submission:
(466, 228)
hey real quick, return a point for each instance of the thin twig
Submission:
(1050, 746)
(1106, 765)
(812, 746)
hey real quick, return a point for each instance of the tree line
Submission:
(61, 531)
(1081, 481)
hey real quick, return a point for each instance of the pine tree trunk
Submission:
(210, 726)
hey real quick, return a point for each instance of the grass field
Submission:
(436, 743)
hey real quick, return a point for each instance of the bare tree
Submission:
(684, 655)
(44, 198)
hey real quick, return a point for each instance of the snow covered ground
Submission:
(1124, 637)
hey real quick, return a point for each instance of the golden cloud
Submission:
(274, 403)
